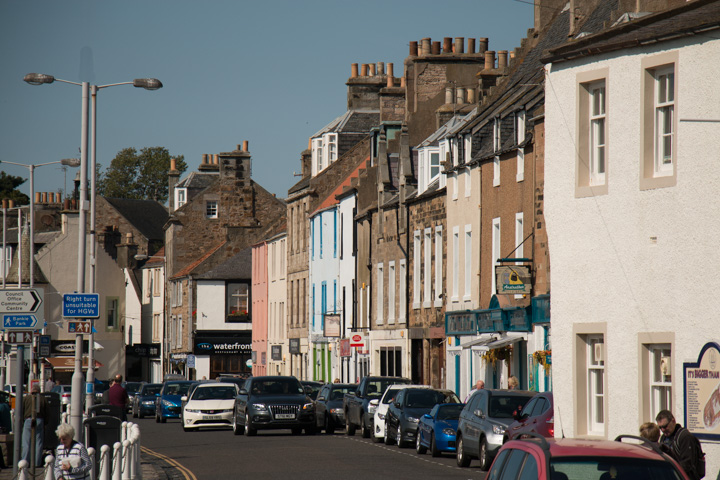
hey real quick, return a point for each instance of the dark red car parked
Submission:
(537, 416)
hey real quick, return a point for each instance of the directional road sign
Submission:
(20, 336)
(79, 327)
(81, 305)
(19, 322)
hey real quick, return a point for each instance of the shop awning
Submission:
(64, 364)
(507, 339)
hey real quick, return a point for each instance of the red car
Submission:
(539, 458)
(537, 416)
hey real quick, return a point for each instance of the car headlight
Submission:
(337, 411)
(308, 406)
(372, 408)
(148, 402)
(412, 419)
(168, 403)
(192, 410)
(381, 416)
(260, 407)
(498, 430)
(449, 431)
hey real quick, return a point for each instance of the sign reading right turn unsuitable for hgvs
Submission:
(81, 305)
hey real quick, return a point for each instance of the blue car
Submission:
(437, 429)
(168, 403)
(143, 402)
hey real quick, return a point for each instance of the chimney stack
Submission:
(173, 178)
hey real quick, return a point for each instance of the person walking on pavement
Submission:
(118, 396)
(39, 402)
(678, 442)
(49, 384)
(72, 461)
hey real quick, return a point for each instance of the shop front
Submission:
(142, 362)
(222, 353)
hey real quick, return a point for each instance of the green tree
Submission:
(8, 189)
(139, 175)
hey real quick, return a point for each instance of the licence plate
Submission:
(211, 417)
(285, 416)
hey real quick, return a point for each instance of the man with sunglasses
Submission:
(679, 443)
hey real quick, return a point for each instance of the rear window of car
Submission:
(449, 412)
(151, 389)
(602, 468)
(503, 406)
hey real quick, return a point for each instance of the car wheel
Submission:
(433, 446)
(140, 414)
(386, 438)
(484, 457)
(462, 459)
(185, 429)
(398, 437)
(235, 426)
(249, 431)
(376, 439)
(349, 427)
(134, 413)
(419, 447)
(366, 432)
(157, 417)
(162, 419)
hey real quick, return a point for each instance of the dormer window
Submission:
(180, 197)
(324, 152)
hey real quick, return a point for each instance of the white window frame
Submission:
(495, 252)
(331, 148)
(379, 320)
(391, 293)
(454, 183)
(468, 182)
(416, 268)
(438, 266)
(455, 151)
(156, 282)
(519, 235)
(496, 134)
(402, 293)
(597, 121)
(595, 363)
(660, 384)
(180, 196)
(211, 209)
(467, 139)
(456, 264)
(427, 264)
(157, 323)
(467, 264)
(664, 82)
(317, 155)
(496, 171)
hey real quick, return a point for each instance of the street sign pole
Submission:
(18, 428)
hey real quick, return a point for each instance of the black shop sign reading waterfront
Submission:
(222, 343)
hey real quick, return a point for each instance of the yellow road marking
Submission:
(185, 472)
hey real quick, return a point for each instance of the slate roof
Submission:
(352, 121)
(199, 261)
(235, 268)
(304, 183)
(330, 199)
(148, 216)
(197, 180)
(694, 18)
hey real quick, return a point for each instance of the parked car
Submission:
(437, 429)
(64, 392)
(144, 400)
(329, 413)
(403, 415)
(381, 407)
(132, 388)
(483, 422)
(273, 402)
(167, 403)
(209, 404)
(562, 459)
(537, 416)
(358, 410)
(314, 387)
(101, 386)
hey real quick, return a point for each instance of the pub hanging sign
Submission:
(513, 279)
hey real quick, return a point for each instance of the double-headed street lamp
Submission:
(87, 89)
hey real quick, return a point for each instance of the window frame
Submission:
(211, 209)
(467, 263)
(438, 265)
(427, 268)
(417, 252)
(587, 183)
(379, 312)
(597, 132)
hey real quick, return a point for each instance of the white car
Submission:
(209, 405)
(382, 407)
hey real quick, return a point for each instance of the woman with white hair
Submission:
(71, 458)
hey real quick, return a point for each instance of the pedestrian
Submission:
(337, 380)
(5, 422)
(117, 395)
(650, 431)
(680, 444)
(49, 384)
(479, 385)
(72, 461)
(513, 383)
(39, 402)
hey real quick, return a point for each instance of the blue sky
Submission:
(271, 72)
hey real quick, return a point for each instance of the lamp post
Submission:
(77, 378)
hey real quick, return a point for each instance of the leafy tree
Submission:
(139, 175)
(8, 189)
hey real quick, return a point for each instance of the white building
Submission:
(278, 361)
(631, 197)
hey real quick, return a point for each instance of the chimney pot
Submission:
(173, 164)
(447, 45)
(448, 95)
(471, 95)
(246, 144)
(372, 69)
(436, 48)
(353, 70)
(205, 158)
(460, 94)
(5, 203)
(413, 49)
(11, 203)
(489, 60)
(403, 82)
(38, 197)
(215, 159)
(483, 45)
(364, 70)
(390, 81)
(471, 45)
(459, 45)
(390, 69)
(425, 46)
(44, 197)
(128, 237)
(66, 204)
(381, 68)
(51, 198)
(502, 58)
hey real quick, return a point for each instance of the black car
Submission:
(144, 400)
(273, 402)
(132, 388)
(329, 405)
(404, 413)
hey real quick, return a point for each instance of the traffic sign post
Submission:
(81, 305)
(22, 308)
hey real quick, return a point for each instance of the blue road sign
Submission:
(20, 322)
(81, 305)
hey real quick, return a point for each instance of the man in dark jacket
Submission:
(678, 442)
(117, 395)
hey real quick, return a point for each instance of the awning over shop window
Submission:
(64, 364)
(507, 339)
(481, 341)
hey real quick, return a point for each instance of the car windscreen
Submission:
(601, 468)
(449, 412)
(390, 395)
(132, 387)
(338, 393)
(424, 398)
(276, 387)
(176, 388)
(214, 393)
(376, 388)
(503, 406)
(151, 389)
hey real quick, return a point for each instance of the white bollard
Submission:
(105, 463)
(117, 461)
(136, 455)
(126, 460)
(23, 473)
(49, 468)
(91, 454)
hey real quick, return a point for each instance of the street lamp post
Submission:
(77, 378)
